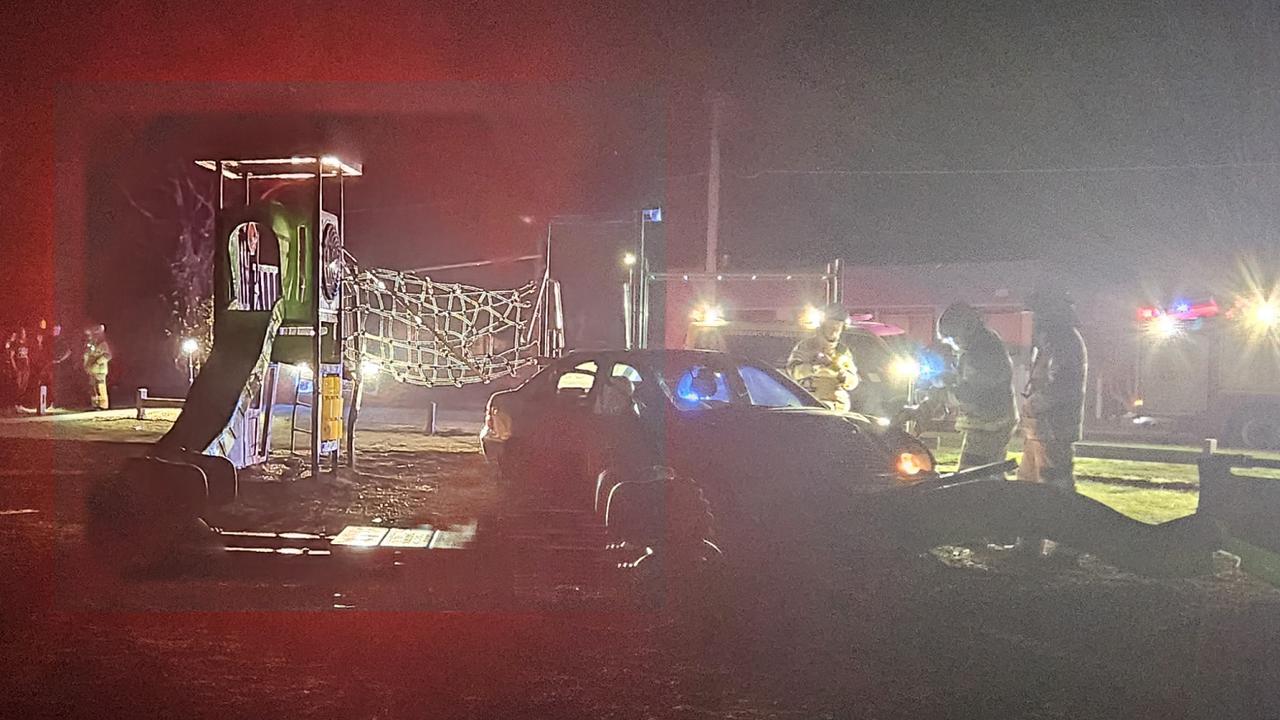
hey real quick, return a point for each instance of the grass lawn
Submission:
(1148, 503)
(1150, 492)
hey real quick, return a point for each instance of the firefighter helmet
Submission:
(1052, 305)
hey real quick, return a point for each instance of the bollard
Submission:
(431, 419)
(1209, 446)
(140, 398)
(42, 407)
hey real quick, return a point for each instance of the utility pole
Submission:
(713, 184)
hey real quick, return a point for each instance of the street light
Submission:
(190, 346)
(629, 300)
(647, 215)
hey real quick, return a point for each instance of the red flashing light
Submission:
(1204, 310)
(1184, 311)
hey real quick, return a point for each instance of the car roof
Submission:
(788, 329)
(677, 354)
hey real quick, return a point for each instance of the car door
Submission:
(698, 437)
(617, 436)
(558, 431)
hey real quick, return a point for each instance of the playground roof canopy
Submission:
(290, 168)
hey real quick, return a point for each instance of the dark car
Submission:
(754, 442)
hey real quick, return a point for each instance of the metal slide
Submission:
(227, 387)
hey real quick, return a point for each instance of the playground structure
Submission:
(291, 301)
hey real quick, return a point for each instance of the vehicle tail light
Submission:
(488, 428)
(914, 465)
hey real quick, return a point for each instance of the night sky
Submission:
(1102, 133)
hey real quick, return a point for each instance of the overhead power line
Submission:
(993, 171)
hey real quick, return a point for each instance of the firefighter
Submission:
(982, 386)
(1053, 404)
(97, 359)
(823, 364)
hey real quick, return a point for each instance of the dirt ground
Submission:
(957, 634)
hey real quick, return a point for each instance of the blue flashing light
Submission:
(1181, 307)
(686, 392)
(931, 365)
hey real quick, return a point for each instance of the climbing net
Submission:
(432, 334)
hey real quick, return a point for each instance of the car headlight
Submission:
(711, 315)
(812, 318)
(905, 368)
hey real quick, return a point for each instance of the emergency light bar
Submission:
(1181, 310)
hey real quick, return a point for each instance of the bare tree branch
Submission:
(136, 206)
(185, 231)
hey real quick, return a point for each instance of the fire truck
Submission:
(1213, 367)
(762, 315)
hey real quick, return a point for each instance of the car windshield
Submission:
(773, 349)
(706, 383)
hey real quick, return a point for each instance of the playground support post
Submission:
(315, 237)
(339, 322)
(353, 414)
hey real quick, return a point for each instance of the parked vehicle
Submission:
(1214, 368)
(759, 451)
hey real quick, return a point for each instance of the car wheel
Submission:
(605, 482)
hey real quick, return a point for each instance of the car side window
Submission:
(626, 371)
(700, 387)
(577, 381)
(764, 390)
(616, 396)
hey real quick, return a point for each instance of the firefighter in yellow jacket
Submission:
(97, 358)
(823, 364)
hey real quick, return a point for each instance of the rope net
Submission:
(427, 333)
